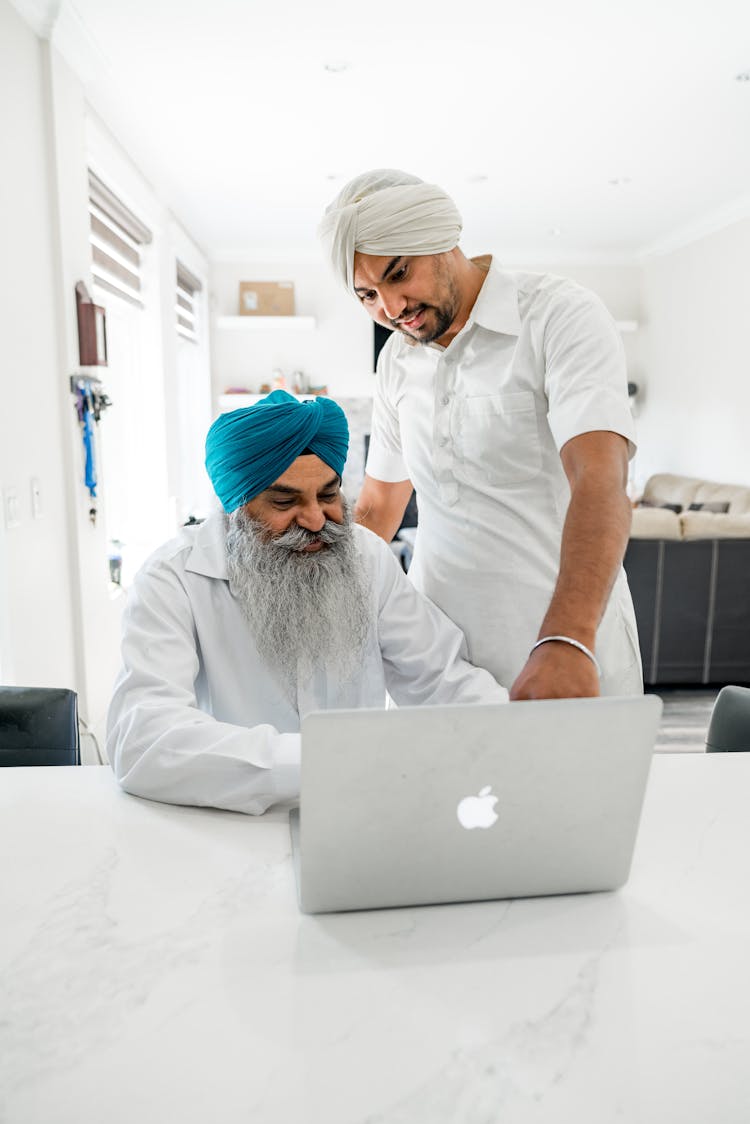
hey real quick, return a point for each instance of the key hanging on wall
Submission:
(90, 403)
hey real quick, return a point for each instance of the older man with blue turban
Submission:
(501, 397)
(272, 608)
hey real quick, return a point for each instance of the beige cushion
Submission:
(666, 487)
(655, 523)
(738, 497)
(712, 525)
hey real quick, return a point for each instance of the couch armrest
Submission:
(655, 523)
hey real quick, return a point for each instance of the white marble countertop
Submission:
(154, 967)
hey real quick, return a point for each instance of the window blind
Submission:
(117, 237)
(186, 307)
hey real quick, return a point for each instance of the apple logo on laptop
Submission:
(478, 811)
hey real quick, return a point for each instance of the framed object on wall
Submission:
(92, 330)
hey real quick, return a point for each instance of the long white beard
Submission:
(306, 610)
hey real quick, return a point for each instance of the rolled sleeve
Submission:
(385, 459)
(586, 376)
(384, 465)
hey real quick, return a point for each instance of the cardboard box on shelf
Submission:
(266, 298)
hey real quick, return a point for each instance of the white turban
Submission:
(387, 212)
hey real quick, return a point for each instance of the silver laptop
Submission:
(422, 805)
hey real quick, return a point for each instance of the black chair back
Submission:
(729, 728)
(39, 726)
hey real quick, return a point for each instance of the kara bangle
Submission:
(575, 644)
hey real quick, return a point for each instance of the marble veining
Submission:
(480, 1085)
(79, 952)
(154, 966)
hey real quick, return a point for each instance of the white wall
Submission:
(96, 606)
(694, 417)
(59, 614)
(146, 401)
(338, 353)
(38, 640)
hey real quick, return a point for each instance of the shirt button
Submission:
(443, 442)
(445, 399)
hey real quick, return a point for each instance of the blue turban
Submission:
(247, 450)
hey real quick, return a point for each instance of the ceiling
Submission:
(597, 129)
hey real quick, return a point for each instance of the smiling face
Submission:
(420, 296)
(306, 495)
(298, 578)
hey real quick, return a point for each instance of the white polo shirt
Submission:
(478, 427)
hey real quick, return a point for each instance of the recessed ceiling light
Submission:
(336, 66)
(743, 76)
(619, 181)
(478, 177)
(334, 175)
(554, 232)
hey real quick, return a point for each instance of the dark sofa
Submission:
(688, 566)
(692, 605)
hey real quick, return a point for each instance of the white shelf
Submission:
(266, 323)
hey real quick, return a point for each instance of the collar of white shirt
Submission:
(208, 553)
(496, 307)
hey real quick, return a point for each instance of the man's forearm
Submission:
(381, 506)
(594, 539)
(377, 521)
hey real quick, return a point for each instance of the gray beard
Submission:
(306, 611)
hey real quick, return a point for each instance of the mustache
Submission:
(296, 538)
(409, 314)
(305, 611)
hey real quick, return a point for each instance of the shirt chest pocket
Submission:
(497, 438)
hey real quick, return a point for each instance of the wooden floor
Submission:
(687, 712)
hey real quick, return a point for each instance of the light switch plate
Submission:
(11, 508)
(37, 511)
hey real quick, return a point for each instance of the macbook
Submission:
(420, 805)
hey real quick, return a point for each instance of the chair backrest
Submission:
(729, 728)
(39, 726)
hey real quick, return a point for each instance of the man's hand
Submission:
(594, 538)
(556, 671)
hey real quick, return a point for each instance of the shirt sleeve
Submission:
(385, 459)
(586, 377)
(423, 652)
(160, 743)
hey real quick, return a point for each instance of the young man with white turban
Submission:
(273, 608)
(502, 399)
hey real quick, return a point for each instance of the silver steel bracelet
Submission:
(575, 644)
